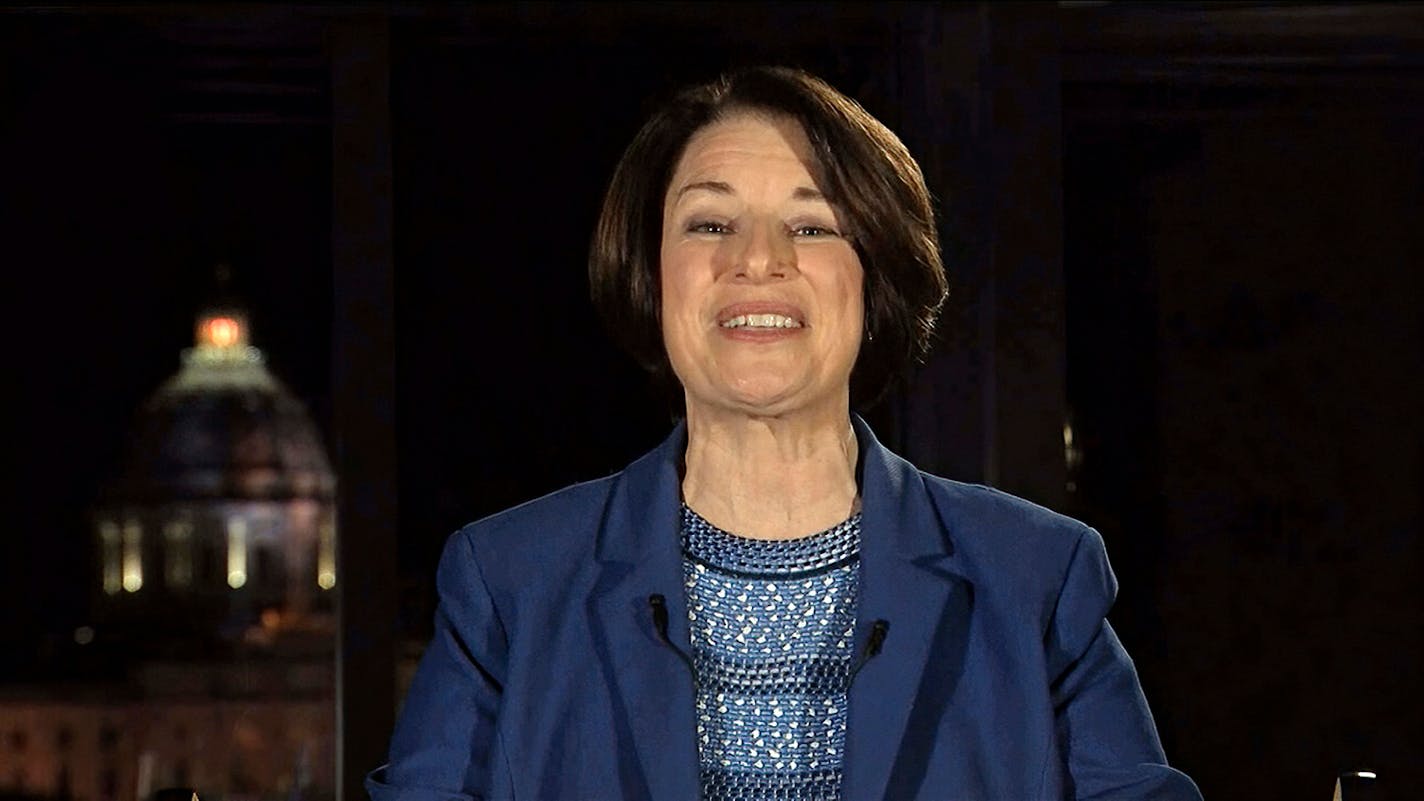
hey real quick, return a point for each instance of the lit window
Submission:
(178, 553)
(109, 544)
(133, 556)
(1072, 455)
(326, 556)
(236, 552)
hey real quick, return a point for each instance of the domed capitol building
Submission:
(210, 660)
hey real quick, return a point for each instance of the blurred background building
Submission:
(210, 657)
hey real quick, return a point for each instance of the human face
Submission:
(761, 288)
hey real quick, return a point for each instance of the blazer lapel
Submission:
(651, 689)
(908, 579)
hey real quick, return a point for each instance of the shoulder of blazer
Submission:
(532, 538)
(1007, 541)
(559, 535)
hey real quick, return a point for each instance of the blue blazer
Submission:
(999, 677)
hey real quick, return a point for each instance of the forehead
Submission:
(745, 142)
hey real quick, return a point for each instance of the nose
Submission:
(766, 253)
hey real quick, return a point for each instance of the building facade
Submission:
(210, 660)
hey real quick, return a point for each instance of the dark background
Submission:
(1193, 230)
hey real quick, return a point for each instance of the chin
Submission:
(771, 388)
(770, 397)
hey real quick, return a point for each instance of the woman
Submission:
(771, 604)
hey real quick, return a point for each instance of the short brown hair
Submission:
(868, 173)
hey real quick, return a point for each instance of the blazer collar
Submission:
(642, 518)
(649, 495)
(639, 549)
(908, 579)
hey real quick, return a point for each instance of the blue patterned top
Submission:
(772, 624)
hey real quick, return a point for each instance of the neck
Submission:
(770, 477)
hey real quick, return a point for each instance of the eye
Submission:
(813, 231)
(708, 227)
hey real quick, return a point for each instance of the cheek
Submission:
(850, 290)
(680, 286)
(667, 280)
(853, 304)
(677, 311)
(672, 303)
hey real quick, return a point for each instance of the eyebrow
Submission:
(724, 188)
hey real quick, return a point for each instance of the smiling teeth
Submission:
(761, 321)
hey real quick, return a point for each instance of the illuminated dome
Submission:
(223, 519)
(225, 427)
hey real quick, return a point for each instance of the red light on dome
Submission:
(222, 332)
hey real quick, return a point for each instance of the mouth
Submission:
(760, 316)
(760, 321)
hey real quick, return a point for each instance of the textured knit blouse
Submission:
(772, 624)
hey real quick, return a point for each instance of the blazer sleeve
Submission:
(445, 735)
(1105, 731)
